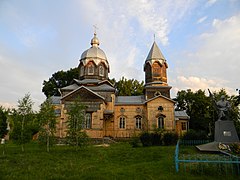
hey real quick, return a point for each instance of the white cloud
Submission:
(18, 80)
(123, 26)
(8, 105)
(42, 38)
(217, 55)
(195, 83)
(147, 15)
(210, 3)
(159, 17)
(202, 19)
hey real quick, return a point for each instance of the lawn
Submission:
(118, 161)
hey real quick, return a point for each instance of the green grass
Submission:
(119, 161)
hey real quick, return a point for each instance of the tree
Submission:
(22, 117)
(47, 123)
(58, 80)
(202, 110)
(76, 120)
(3, 122)
(199, 107)
(129, 87)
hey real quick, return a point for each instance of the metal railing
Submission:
(205, 162)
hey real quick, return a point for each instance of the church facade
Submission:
(108, 114)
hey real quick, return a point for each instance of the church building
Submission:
(108, 114)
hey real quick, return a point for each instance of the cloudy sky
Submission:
(199, 38)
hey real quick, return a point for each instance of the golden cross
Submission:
(95, 28)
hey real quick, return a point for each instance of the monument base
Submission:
(209, 147)
(225, 132)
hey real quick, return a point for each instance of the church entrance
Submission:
(108, 126)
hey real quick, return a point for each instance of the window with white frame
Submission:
(184, 126)
(122, 122)
(139, 122)
(161, 122)
(101, 70)
(91, 69)
(87, 124)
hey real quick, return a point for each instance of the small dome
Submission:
(95, 41)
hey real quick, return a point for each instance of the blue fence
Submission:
(227, 164)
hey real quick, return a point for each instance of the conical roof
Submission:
(155, 53)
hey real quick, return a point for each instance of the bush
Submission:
(235, 148)
(135, 142)
(42, 138)
(151, 139)
(156, 139)
(170, 138)
(195, 135)
(146, 139)
(80, 140)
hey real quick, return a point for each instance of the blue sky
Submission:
(199, 39)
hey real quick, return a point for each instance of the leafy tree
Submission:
(58, 80)
(75, 133)
(23, 121)
(129, 87)
(47, 122)
(202, 109)
(3, 122)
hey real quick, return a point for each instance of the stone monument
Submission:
(225, 131)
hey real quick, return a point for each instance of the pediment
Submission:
(160, 98)
(85, 95)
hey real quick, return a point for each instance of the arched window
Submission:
(90, 68)
(164, 71)
(156, 69)
(101, 70)
(138, 122)
(122, 122)
(148, 72)
(82, 70)
(161, 122)
(87, 124)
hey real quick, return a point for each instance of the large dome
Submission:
(94, 51)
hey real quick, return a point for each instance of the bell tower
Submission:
(155, 68)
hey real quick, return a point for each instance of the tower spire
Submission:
(155, 68)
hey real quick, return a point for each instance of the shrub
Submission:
(235, 148)
(170, 138)
(146, 139)
(80, 140)
(42, 138)
(134, 142)
(156, 139)
(195, 135)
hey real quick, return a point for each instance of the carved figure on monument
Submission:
(223, 109)
(225, 131)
